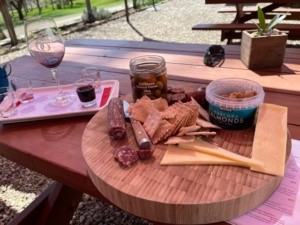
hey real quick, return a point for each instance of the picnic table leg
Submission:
(60, 206)
(56, 205)
(239, 14)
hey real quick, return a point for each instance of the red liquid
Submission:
(86, 93)
(48, 59)
(51, 62)
(50, 55)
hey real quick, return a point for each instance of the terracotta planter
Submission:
(263, 52)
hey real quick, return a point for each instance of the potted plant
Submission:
(264, 47)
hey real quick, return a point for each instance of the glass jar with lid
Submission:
(148, 77)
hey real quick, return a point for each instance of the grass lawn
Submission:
(78, 7)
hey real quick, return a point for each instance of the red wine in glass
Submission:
(86, 93)
(46, 46)
(49, 60)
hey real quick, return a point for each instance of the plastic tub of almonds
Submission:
(233, 102)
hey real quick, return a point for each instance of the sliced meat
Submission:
(126, 156)
(116, 120)
(178, 97)
(177, 90)
(144, 153)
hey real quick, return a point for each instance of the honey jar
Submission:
(148, 76)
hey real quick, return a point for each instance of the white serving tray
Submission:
(40, 108)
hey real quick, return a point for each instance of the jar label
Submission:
(233, 118)
(153, 86)
(144, 85)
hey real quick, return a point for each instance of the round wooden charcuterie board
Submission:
(196, 194)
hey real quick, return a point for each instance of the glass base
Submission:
(88, 104)
(62, 99)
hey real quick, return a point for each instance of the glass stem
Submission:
(54, 74)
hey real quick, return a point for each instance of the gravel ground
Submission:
(171, 23)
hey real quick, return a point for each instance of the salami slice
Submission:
(116, 120)
(177, 90)
(144, 153)
(126, 156)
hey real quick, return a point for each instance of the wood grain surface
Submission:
(175, 194)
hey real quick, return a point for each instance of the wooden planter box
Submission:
(263, 52)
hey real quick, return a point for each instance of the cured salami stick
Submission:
(116, 121)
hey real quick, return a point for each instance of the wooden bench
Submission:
(234, 30)
(293, 13)
(245, 13)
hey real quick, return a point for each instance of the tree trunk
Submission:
(52, 5)
(20, 13)
(39, 6)
(2, 35)
(134, 3)
(91, 18)
(126, 10)
(18, 7)
(8, 22)
(25, 7)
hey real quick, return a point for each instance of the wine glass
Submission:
(46, 46)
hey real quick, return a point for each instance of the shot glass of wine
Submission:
(86, 92)
(46, 46)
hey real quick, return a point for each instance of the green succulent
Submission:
(266, 29)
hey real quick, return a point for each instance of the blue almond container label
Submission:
(234, 119)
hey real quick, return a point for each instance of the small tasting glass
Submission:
(94, 73)
(7, 102)
(86, 92)
(23, 89)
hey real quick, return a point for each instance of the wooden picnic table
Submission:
(53, 147)
(233, 30)
(240, 15)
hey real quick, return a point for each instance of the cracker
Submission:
(144, 98)
(203, 113)
(193, 112)
(188, 129)
(160, 104)
(176, 140)
(188, 113)
(201, 133)
(168, 113)
(178, 121)
(164, 127)
(152, 122)
(206, 124)
(139, 111)
(170, 131)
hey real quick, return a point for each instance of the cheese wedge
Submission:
(270, 139)
(205, 147)
(180, 156)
